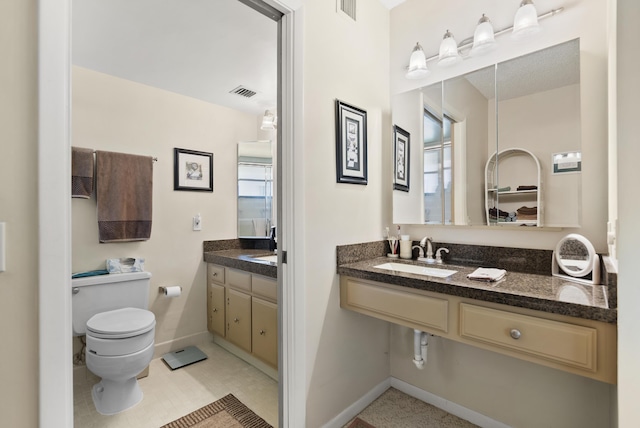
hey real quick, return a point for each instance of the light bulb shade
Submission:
(526, 21)
(417, 64)
(268, 121)
(449, 54)
(483, 38)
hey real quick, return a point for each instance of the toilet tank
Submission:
(95, 294)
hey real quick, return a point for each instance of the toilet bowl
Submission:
(119, 345)
(111, 310)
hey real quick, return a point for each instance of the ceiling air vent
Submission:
(348, 7)
(243, 92)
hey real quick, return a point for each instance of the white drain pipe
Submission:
(419, 348)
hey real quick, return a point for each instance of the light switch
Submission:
(197, 222)
(3, 247)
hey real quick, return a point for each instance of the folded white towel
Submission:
(487, 274)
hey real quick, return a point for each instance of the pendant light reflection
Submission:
(269, 121)
(483, 38)
(417, 64)
(526, 21)
(449, 54)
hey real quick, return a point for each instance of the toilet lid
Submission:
(121, 323)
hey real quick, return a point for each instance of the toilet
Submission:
(111, 310)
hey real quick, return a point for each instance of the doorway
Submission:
(55, 246)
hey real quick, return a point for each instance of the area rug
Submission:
(227, 412)
(359, 423)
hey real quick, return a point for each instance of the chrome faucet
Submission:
(426, 251)
(439, 256)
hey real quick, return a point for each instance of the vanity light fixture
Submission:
(268, 121)
(449, 54)
(417, 64)
(483, 38)
(526, 21)
(525, 24)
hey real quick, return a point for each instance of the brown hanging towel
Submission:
(81, 172)
(124, 188)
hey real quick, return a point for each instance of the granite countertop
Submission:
(241, 259)
(532, 291)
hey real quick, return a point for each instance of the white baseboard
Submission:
(181, 342)
(352, 411)
(448, 406)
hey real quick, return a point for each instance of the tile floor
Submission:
(395, 409)
(169, 394)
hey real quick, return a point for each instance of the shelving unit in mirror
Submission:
(513, 189)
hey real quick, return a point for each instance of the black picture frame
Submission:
(401, 157)
(192, 170)
(351, 144)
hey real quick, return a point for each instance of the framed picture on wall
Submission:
(351, 144)
(401, 142)
(192, 170)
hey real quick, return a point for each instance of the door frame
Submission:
(54, 217)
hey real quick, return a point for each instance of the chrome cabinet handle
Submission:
(215, 274)
(236, 320)
(515, 333)
(215, 310)
(262, 332)
(75, 290)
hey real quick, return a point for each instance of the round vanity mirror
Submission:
(575, 258)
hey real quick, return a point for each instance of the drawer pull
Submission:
(215, 274)
(515, 333)
(236, 320)
(262, 332)
(215, 310)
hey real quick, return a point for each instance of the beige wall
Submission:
(347, 60)
(628, 129)
(114, 114)
(19, 210)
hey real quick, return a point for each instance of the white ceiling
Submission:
(199, 48)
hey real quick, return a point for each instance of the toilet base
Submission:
(111, 397)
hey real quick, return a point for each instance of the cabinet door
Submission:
(265, 331)
(215, 309)
(239, 319)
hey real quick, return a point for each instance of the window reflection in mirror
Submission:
(255, 189)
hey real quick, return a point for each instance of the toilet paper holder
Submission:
(163, 289)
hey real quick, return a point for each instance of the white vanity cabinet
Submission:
(577, 345)
(242, 308)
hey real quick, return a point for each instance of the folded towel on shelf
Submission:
(527, 211)
(497, 213)
(527, 188)
(81, 172)
(487, 274)
(124, 188)
(504, 189)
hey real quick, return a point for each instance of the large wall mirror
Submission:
(255, 189)
(499, 146)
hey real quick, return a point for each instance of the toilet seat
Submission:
(120, 323)
(120, 332)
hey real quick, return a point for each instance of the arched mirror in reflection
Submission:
(255, 189)
(575, 259)
(531, 105)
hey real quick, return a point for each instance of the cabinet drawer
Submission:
(238, 279)
(215, 273)
(265, 287)
(564, 343)
(401, 306)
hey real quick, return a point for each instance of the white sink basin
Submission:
(270, 259)
(419, 270)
